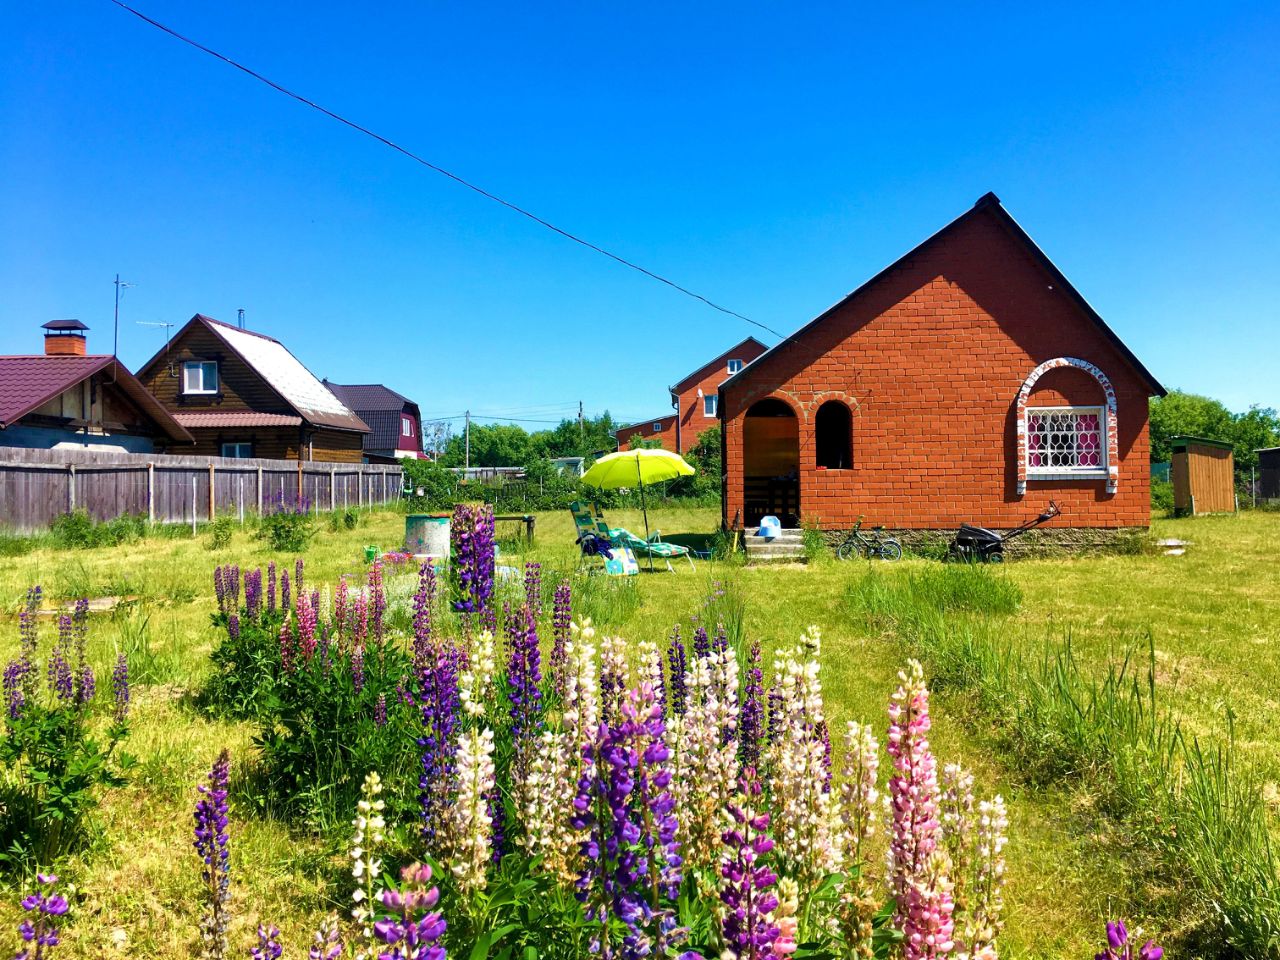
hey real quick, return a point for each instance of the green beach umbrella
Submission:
(631, 468)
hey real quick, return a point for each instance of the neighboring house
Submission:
(67, 399)
(570, 466)
(694, 399)
(243, 394)
(395, 422)
(966, 382)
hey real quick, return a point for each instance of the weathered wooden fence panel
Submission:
(38, 486)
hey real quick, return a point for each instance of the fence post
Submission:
(193, 504)
(151, 493)
(259, 489)
(361, 475)
(212, 498)
(240, 495)
(333, 504)
(71, 488)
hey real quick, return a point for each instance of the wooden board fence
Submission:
(38, 486)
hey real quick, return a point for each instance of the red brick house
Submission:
(243, 394)
(967, 382)
(695, 400)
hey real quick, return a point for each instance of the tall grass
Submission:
(1195, 807)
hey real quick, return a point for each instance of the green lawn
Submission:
(1212, 613)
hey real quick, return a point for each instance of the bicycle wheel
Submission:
(890, 550)
(846, 550)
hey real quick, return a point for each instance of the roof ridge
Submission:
(231, 326)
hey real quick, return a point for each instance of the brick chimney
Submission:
(65, 338)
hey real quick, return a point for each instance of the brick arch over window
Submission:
(1113, 444)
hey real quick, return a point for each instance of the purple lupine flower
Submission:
(29, 643)
(271, 587)
(440, 707)
(424, 599)
(775, 712)
(414, 926)
(497, 811)
(61, 682)
(298, 586)
(357, 668)
(284, 592)
(328, 942)
(561, 618)
(701, 643)
(380, 711)
(751, 717)
(472, 534)
(308, 618)
(120, 688)
(86, 682)
(253, 593)
(359, 615)
(533, 588)
(233, 627)
(824, 732)
(720, 643)
(377, 601)
(15, 700)
(748, 930)
(340, 605)
(233, 587)
(37, 930)
(631, 863)
(524, 675)
(268, 946)
(213, 844)
(677, 668)
(287, 645)
(1120, 948)
(220, 588)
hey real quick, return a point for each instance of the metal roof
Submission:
(64, 325)
(381, 408)
(28, 382)
(237, 418)
(722, 358)
(988, 202)
(1181, 441)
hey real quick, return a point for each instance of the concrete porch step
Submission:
(787, 547)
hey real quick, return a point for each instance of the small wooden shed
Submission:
(1269, 473)
(1204, 476)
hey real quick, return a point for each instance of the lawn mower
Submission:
(980, 545)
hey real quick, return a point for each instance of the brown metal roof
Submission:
(27, 382)
(243, 418)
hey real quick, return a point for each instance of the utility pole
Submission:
(467, 447)
(582, 430)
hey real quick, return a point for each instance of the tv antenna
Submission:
(167, 328)
(115, 346)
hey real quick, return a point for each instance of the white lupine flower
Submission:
(581, 711)
(615, 675)
(366, 866)
(470, 825)
(476, 681)
(859, 799)
(982, 921)
(542, 805)
(956, 816)
(650, 664)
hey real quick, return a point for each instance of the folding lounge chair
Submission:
(653, 547)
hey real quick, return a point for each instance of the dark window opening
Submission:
(833, 436)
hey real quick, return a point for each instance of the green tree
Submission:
(492, 445)
(1193, 415)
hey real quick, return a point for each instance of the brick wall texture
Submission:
(930, 359)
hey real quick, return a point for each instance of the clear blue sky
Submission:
(771, 156)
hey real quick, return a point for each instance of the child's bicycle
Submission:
(859, 544)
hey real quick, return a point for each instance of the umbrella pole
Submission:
(645, 510)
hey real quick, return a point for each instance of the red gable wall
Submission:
(930, 358)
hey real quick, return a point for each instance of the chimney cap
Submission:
(64, 326)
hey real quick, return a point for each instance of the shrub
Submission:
(289, 527)
(75, 530)
(221, 531)
(1161, 497)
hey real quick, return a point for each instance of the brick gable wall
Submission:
(930, 360)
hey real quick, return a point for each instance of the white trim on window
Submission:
(709, 404)
(1066, 443)
(735, 365)
(238, 449)
(657, 426)
(406, 426)
(200, 376)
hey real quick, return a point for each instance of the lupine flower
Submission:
(677, 667)
(377, 601)
(14, 698)
(472, 534)
(415, 926)
(440, 705)
(340, 606)
(1120, 948)
(327, 944)
(470, 823)
(701, 643)
(28, 643)
(37, 930)
(624, 804)
(859, 799)
(785, 916)
(423, 606)
(359, 615)
(357, 669)
(284, 592)
(524, 675)
(475, 683)
(366, 865)
(561, 619)
(751, 717)
(540, 799)
(213, 845)
(308, 618)
(61, 682)
(956, 806)
(982, 918)
(380, 711)
(917, 867)
(650, 671)
(298, 587)
(268, 947)
(271, 587)
(233, 627)
(220, 588)
(615, 676)
(86, 682)
(581, 707)
(253, 593)
(120, 687)
(533, 588)
(287, 645)
(747, 921)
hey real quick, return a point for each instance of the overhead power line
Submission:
(516, 208)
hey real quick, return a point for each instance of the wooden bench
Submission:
(528, 519)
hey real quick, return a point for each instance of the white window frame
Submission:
(735, 365)
(201, 366)
(710, 404)
(406, 425)
(237, 444)
(1096, 472)
(657, 426)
